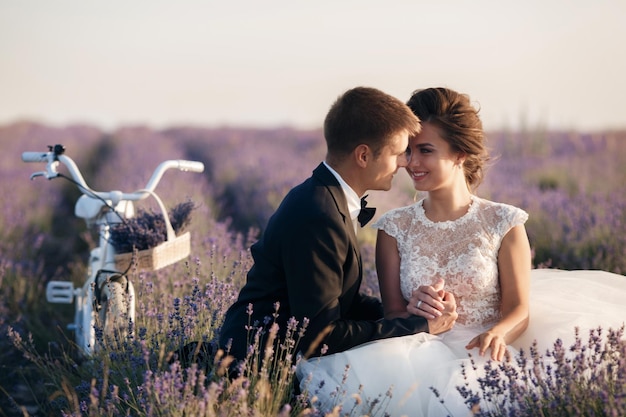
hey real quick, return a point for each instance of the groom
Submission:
(308, 259)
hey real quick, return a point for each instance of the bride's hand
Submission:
(427, 300)
(489, 340)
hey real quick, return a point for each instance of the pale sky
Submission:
(542, 63)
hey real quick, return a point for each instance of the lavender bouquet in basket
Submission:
(148, 229)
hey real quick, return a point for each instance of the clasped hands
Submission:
(439, 308)
(436, 305)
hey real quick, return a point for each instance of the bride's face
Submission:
(432, 164)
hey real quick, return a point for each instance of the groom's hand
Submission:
(448, 316)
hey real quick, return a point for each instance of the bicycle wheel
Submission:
(113, 309)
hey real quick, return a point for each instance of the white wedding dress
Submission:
(396, 375)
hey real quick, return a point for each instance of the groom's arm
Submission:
(342, 335)
(321, 269)
(366, 307)
(345, 334)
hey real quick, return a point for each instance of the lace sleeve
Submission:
(511, 216)
(395, 223)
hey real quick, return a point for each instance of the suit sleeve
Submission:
(315, 254)
(346, 334)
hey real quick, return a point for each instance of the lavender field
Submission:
(572, 184)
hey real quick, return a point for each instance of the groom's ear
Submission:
(362, 154)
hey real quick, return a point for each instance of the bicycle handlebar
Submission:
(52, 159)
(35, 156)
(179, 164)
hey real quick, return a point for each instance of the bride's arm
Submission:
(388, 270)
(514, 263)
(394, 303)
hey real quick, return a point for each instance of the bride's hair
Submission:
(460, 125)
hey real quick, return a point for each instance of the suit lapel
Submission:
(328, 179)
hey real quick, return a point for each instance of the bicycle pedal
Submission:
(60, 292)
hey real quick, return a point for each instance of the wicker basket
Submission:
(165, 254)
(172, 250)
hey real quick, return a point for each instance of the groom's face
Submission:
(383, 168)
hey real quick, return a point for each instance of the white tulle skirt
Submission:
(410, 375)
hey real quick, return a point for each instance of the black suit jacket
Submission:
(308, 260)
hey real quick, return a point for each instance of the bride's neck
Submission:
(447, 206)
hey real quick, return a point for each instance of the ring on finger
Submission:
(419, 303)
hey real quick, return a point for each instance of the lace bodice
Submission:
(463, 252)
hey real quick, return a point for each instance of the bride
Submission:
(453, 241)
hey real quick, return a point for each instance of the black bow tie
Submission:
(366, 213)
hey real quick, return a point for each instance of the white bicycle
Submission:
(106, 301)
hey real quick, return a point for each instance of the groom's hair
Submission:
(365, 115)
